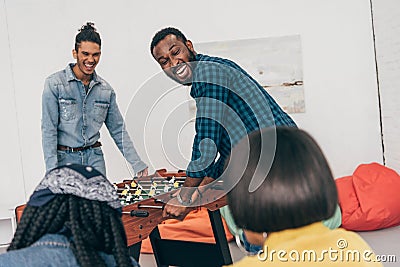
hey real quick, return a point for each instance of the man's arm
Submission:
(211, 102)
(116, 126)
(190, 191)
(49, 124)
(180, 206)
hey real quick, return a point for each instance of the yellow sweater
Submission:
(313, 245)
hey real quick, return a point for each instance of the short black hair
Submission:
(160, 35)
(87, 33)
(299, 188)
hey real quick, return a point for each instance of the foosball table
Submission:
(143, 200)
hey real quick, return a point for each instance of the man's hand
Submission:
(179, 206)
(145, 172)
(175, 210)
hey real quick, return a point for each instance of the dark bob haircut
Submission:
(87, 33)
(160, 35)
(297, 185)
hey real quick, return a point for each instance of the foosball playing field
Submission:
(144, 198)
(137, 189)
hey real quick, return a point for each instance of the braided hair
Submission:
(94, 226)
(87, 33)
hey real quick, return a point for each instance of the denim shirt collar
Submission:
(71, 75)
(52, 240)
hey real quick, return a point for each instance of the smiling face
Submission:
(87, 57)
(174, 57)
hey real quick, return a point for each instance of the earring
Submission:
(265, 235)
(241, 247)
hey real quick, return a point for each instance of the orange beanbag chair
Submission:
(370, 198)
(196, 227)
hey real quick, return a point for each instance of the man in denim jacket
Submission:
(75, 104)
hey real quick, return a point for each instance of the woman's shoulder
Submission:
(47, 251)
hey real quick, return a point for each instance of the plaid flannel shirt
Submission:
(230, 104)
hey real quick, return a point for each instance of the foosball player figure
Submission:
(153, 189)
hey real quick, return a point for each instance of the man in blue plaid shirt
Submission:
(230, 104)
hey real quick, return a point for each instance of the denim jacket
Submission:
(51, 250)
(72, 118)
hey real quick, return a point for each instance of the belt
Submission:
(75, 149)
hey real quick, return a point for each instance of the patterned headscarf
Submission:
(78, 180)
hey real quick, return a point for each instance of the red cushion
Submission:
(370, 198)
(347, 197)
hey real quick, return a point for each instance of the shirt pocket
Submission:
(68, 108)
(100, 111)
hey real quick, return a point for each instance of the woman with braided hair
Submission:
(73, 218)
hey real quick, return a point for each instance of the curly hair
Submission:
(94, 226)
(87, 33)
(160, 35)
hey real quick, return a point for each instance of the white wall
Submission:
(10, 159)
(387, 37)
(12, 189)
(338, 56)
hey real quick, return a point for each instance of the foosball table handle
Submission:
(137, 213)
